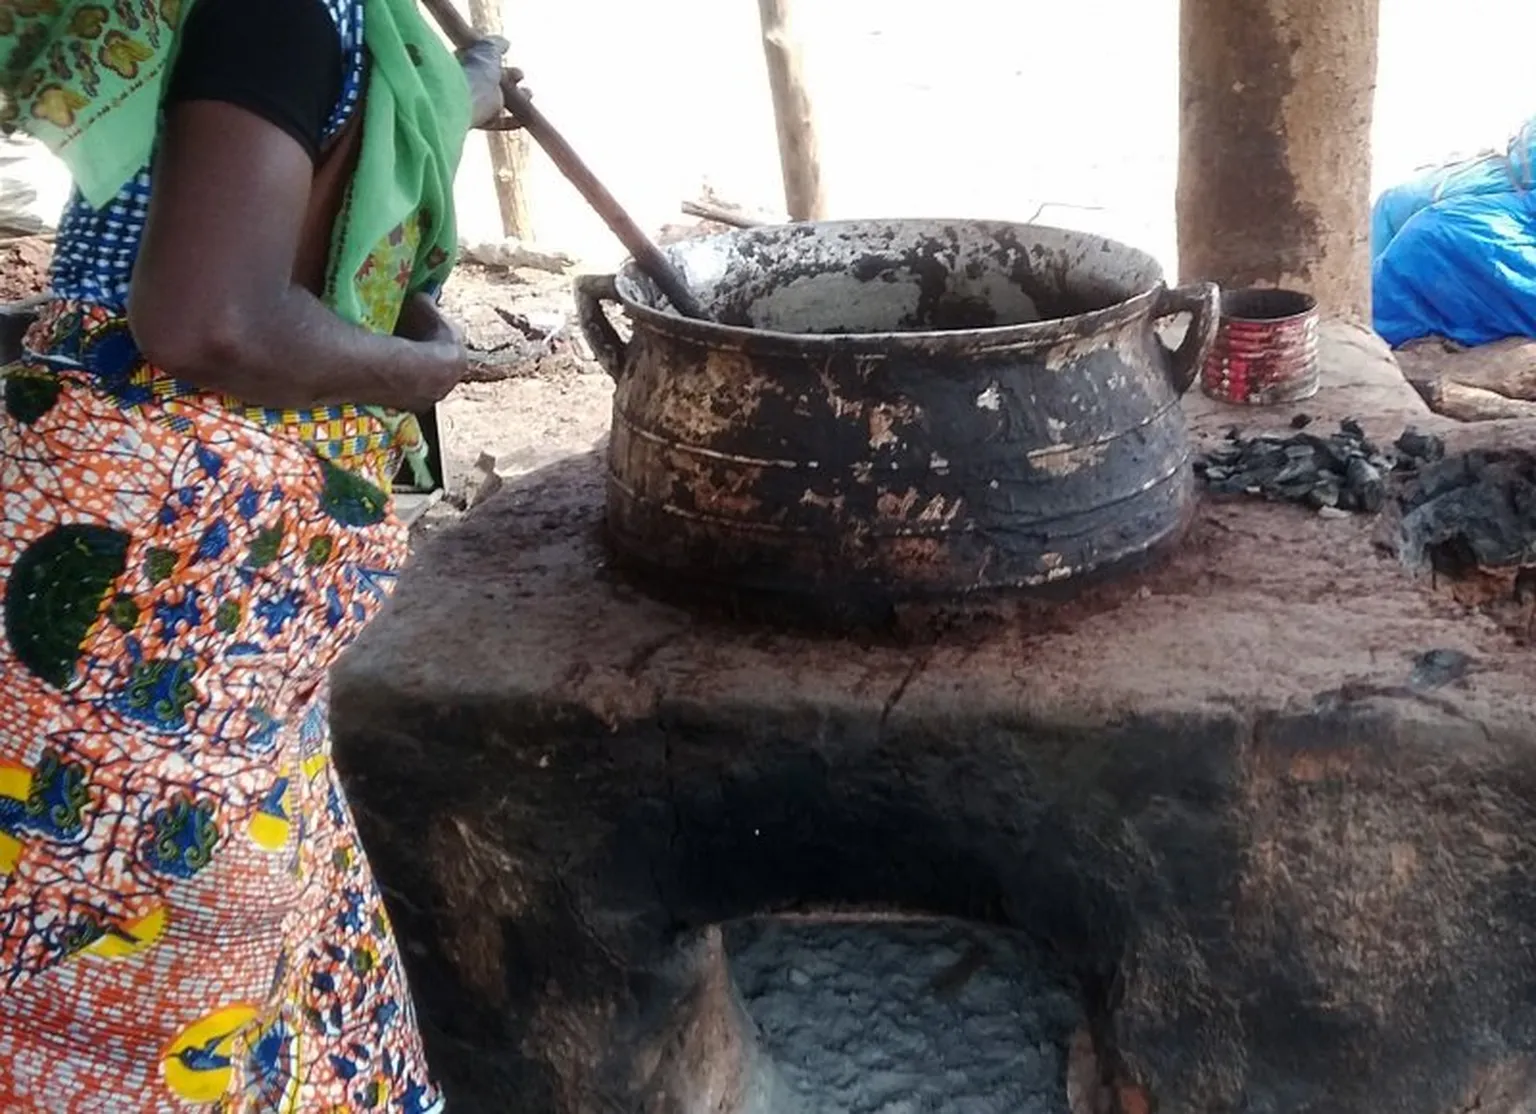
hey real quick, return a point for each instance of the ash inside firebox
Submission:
(905, 1017)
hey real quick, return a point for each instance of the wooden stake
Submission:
(721, 214)
(799, 152)
(509, 149)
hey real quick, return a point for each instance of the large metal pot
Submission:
(898, 409)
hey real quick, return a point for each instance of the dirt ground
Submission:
(24, 268)
(527, 402)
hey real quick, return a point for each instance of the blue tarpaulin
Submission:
(1454, 251)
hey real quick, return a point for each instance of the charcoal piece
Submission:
(1366, 485)
(1442, 478)
(1301, 421)
(1437, 668)
(1304, 472)
(1268, 458)
(1341, 470)
(1468, 512)
(1325, 494)
(1337, 452)
(1419, 446)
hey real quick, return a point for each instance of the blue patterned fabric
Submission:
(96, 249)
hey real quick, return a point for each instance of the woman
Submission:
(194, 461)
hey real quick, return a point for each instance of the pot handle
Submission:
(1202, 301)
(609, 348)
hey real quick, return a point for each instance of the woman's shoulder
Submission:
(296, 63)
(338, 20)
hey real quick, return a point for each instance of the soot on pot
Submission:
(831, 451)
(792, 283)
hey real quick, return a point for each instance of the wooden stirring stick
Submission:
(646, 254)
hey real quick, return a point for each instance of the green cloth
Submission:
(87, 82)
(86, 77)
(396, 231)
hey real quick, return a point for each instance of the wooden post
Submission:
(799, 154)
(1275, 146)
(509, 149)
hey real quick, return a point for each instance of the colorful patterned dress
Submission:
(187, 921)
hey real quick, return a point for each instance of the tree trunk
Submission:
(1275, 146)
(509, 150)
(799, 153)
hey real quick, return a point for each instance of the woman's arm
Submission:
(213, 301)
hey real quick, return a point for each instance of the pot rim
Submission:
(1237, 294)
(1034, 334)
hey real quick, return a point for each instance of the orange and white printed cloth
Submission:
(187, 921)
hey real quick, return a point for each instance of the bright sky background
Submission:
(995, 109)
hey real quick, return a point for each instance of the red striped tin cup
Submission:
(1266, 348)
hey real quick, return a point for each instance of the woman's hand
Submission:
(482, 62)
(422, 322)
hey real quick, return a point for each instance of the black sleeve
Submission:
(279, 59)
